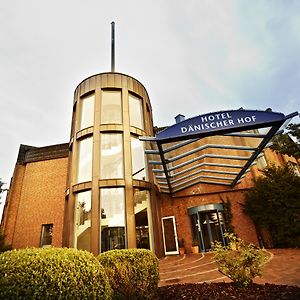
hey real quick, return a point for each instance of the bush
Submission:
(274, 204)
(240, 261)
(133, 273)
(3, 246)
(53, 273)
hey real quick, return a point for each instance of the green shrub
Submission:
(240, 261)
(53, 273)
(3, 246)
(133, 273)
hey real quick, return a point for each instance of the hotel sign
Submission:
(220, 123)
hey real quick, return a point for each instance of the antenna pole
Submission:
(112, 46)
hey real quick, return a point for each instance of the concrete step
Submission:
(190, 268)
(187, 260)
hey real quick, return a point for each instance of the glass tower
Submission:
(110, 191)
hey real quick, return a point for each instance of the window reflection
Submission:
(112, 202)
(138, 159)
(261, 162)
(111, 110)
(47, 233)
(111, 156)
(84, 163)
(83, 220)
(136, 112)
(208, 227)
(142, 213)
(87, 112)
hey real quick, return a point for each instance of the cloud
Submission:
(193, 57)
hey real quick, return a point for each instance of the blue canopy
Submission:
(213, 148)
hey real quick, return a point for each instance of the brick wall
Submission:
(10, 211)
(42, 201)
(178, 207)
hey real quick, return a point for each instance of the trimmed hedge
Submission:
(53, 273)
(133, 273)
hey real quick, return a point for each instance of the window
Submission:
(112, 203)
(84, 163)
(111, 156)
(46, 237)
(111, 110)
(138, 159)
(295, 168)
(261, 162)
(83, 212)
(136, 112)
(142, 218)
(87, 111)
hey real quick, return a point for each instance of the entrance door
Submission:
(208, 227)
(170, 235)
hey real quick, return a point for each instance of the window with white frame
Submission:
(87, 111)
(111, 107)
(136, 112)
(84, 161)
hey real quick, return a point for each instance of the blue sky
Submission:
(193, 57)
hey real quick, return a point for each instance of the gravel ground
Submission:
(227, 291)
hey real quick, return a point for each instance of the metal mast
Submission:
(112, 46)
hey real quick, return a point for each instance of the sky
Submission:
(193, 57)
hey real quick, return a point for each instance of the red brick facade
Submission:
(36, 197)
(178, 207)
(38, 189)
(203, 194)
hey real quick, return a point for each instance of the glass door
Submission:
(169, 235)
(207, 227)
(205, 230)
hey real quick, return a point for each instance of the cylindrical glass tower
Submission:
(109, 187)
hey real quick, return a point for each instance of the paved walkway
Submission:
(283, 268)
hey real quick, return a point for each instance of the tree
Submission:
(3, 246)
(1, 188)
(274, 203)
(284, 144)
(227, 215)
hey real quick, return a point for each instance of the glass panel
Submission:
(111, 156)
(46, 238)
(136, 112)
(112, 201)
(214, 226)
(138, 159)
(83, 212)
(84, 163)
(205, 229)
(111, 110)
(87, 112)
(295, 168)
(141, 202)
(222, 226)
(261, 162)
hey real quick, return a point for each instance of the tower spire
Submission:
(113, 46)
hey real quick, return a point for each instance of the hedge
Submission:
(132, 273)
(53, 273)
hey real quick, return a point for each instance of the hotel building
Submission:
(122, 183)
